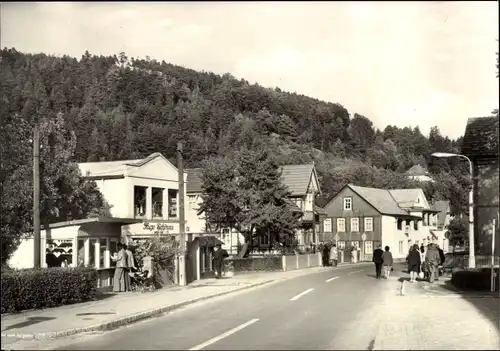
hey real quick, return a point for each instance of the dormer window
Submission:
(347, 203)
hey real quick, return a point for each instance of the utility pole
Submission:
(182, 223)
(36, 196)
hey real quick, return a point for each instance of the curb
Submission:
(127, 320)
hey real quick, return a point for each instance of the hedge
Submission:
(270, 263)
(474, 279)
(46, 287)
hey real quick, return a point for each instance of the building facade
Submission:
(303, 184)
(419, 173)
(366, 217)
(480, 144)
(146, 190)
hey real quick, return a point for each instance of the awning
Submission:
(207, 241)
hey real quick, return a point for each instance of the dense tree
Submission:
(64, 194)
(245, 192)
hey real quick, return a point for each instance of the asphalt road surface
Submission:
(316, 311)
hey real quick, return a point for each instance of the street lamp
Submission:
(472, 257)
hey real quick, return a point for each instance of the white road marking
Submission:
(301, 294)
(361, 270)
(224, 335)
(329, 280)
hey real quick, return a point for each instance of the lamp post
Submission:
(472, 257)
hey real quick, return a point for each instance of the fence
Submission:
(462, 261)
(272, 263)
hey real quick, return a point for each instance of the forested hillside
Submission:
(125, 108)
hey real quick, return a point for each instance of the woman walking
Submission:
(119, 280)
(414, 263)
(387, 262)
(423, 267)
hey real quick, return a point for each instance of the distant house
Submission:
(441, 222)
(365, 217)
(301, 181)
(419, 173)
(480, 144)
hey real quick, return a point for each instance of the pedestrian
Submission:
(442, 258)
(387, 262)
(325, 253)
(334, 255)
(119, 280)
(423, 265)
(219, 255)
(130, 265)
(414, 263)
(432, 261)
(378, 260)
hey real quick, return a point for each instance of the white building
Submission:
(419, 173)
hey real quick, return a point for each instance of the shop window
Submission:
(92, 252)
(103, 249)
(140, 201)
(59, 253)
(172, 203)
(113, 248)
(81, 253)
(157, 202)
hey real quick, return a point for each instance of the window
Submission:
(157, 202)
(140, 201)
(340, 224)
(172, 203)
(192, 202)
(415, 225)
(225, 235)
(368, 247)
(113, 249)
(327, 225)
(355, 225)
(347, 203)
(103, 256)
(92, 252)
(369, 224)
(59, 253)
(400, 224)
(341, 245)
(264, 240)
(81, 253)
(299, 203)
(400, 247)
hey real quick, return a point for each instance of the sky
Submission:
(397, 63)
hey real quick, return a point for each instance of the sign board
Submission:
(150, 228)
(337, 237)
(363, 237)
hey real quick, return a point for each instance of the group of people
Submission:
(423, 263)
(383, 259)
(330, 256)
(124, 265)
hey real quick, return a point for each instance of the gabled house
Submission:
(480, 144)
(419, 173)
(365, 217)
(442, 221)
(144, 189)
(302, 182)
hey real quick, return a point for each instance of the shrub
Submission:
(474, 279)
(46, 287)
(268, 263)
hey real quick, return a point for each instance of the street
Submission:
(317, 311)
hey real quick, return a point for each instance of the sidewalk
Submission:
(416, 322)
(120, 309)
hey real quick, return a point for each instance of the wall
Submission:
(196, 223)
(391, 237)
(486, 200)
(272, 263)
